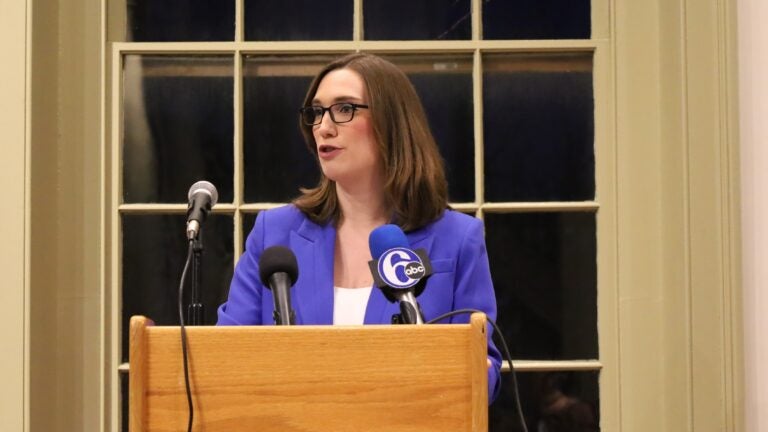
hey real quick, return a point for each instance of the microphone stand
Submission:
(196, 310)
(408, 314)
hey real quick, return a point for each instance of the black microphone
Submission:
(279, 271)
(400, 272)
(202, 196)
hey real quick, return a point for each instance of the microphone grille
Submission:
(385, 238)
(204, 187)
(278, 259)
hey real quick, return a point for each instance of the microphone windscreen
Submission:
(204, 187)
(277, 259)
(385, 238)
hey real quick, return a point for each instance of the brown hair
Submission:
(414, 184)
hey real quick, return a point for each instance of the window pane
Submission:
(444, 84)
(248, 220)
(178, 126)
(124, 397)
(154, 252)
(288, 20)
(539, 127)
(551, 401)
(180, 20)
(423, 19)
(276, 159)
(544, 269)
(536, 19)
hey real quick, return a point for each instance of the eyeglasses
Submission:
(340, 113)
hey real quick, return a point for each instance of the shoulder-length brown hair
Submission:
(414, 186)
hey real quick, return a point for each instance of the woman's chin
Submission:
(348, 181)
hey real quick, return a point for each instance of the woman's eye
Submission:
(346, 108)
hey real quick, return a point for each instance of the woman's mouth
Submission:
(326, 151)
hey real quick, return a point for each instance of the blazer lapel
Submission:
(375, 311)
(314, 246)
(313, 293)
(421, 239)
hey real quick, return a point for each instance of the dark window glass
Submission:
(124, 397)
(536, 19)
(423, 19)
(178, 126)
(551, 401)
(180, 20)
(444, 84)
(249, 219)
(276, 159)
(538, 118)
(154, 252)
(291, 20)
(544, 269)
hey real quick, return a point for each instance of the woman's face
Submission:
(348, 152)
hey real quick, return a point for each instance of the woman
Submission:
(380, 164)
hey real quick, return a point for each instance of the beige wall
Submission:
(13, 245)
(65, 125)
(678, 234)
(753, 108)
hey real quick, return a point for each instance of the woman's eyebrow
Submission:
(339, 99)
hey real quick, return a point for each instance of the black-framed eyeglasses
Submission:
(342, 112)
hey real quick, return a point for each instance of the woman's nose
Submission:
(327, 125)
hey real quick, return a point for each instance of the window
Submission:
(511, 90)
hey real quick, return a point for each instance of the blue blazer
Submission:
(454, 243)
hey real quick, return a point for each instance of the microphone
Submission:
(400, 272)
(279, 271)
(202, 196)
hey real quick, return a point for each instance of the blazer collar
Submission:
(421, 238)
(314, 246)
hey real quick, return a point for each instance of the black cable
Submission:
(184, 335)
(507, 354)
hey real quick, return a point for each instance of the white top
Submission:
(349, 305)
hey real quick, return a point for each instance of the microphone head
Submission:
(278, 259)
(385, 238)
(395, 266)
(205, 187)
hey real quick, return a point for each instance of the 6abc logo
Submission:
(401, 268)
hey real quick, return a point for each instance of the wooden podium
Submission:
(311, 378)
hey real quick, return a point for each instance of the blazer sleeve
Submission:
(474, 290)
(243, 305)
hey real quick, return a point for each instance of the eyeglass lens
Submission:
(340, 113)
